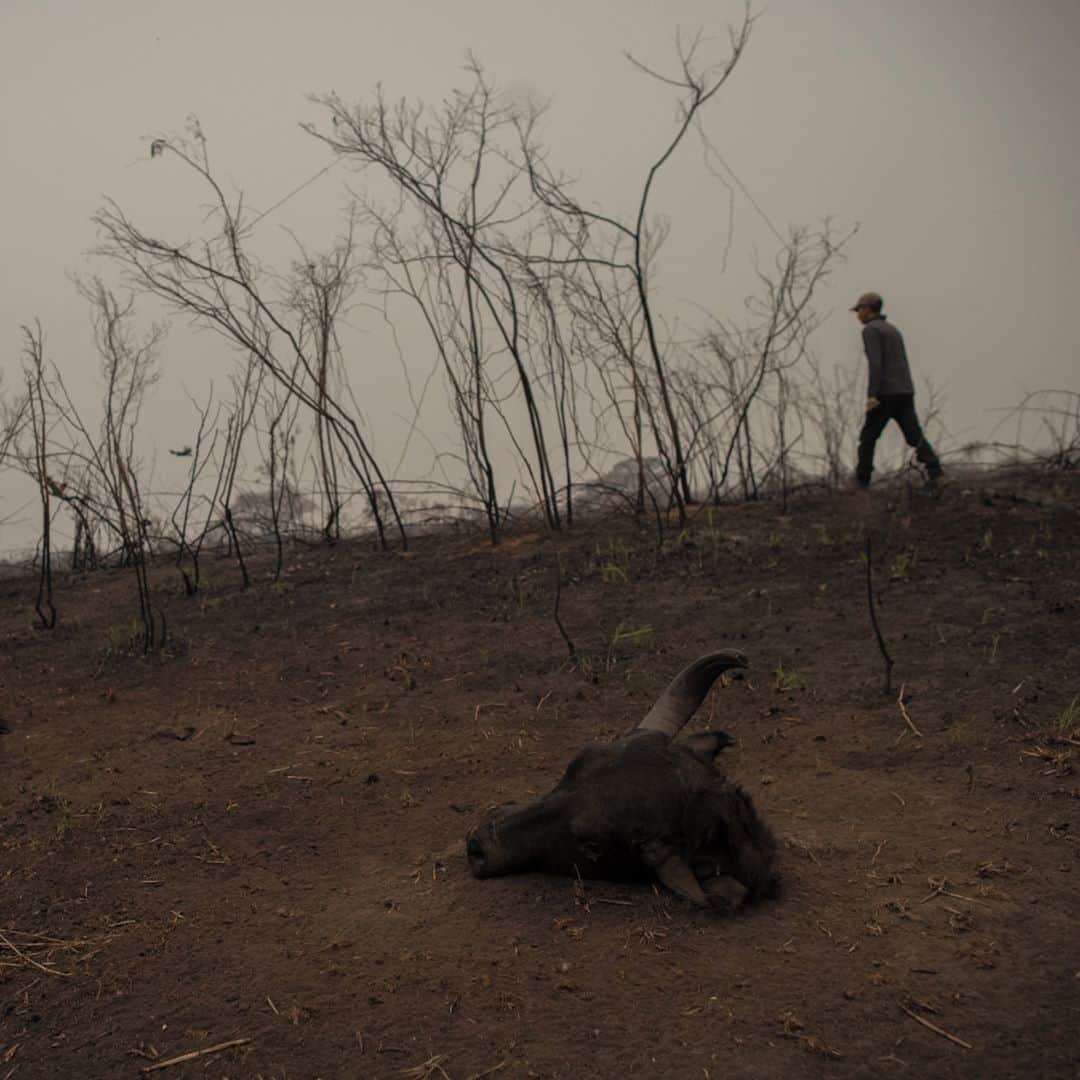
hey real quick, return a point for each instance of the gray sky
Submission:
(947, 130)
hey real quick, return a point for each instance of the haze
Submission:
(946, 131)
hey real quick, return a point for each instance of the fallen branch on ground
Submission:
(933, 1027)
(32, 962)
(904, 713)
(192, 1055)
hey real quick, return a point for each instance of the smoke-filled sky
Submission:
(946, 130)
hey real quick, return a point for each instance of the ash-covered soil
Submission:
(257, 834)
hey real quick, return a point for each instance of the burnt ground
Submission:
(258, 835)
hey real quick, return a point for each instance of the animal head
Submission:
(643, 804)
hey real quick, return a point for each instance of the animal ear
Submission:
(705, 745)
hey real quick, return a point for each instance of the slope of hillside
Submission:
(256, 837)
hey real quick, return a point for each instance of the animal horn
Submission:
(687, 691)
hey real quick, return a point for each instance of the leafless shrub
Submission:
(35, 458)
(286, 327)
(200, 456)
(591, 240)
(95, 475)
(456, 247)
(756, 369)
(1055, 441)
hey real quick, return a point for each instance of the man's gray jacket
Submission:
(889, 371)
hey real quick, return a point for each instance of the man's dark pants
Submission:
(901, 408)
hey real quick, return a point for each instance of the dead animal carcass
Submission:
(644, 805)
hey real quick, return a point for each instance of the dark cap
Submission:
(868, 299)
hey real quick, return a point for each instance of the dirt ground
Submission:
(258, 835)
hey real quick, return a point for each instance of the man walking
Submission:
(890, 394)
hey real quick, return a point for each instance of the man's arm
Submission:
(875, 351)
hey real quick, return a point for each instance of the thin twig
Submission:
(194, 1054)
(558, 622)
(966, 899)
(933, 1027)
(30, 960)
(873, 616)
(938, 890)
(476, 718)
(904, 713)
(426, 1069)
(488, 1072)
